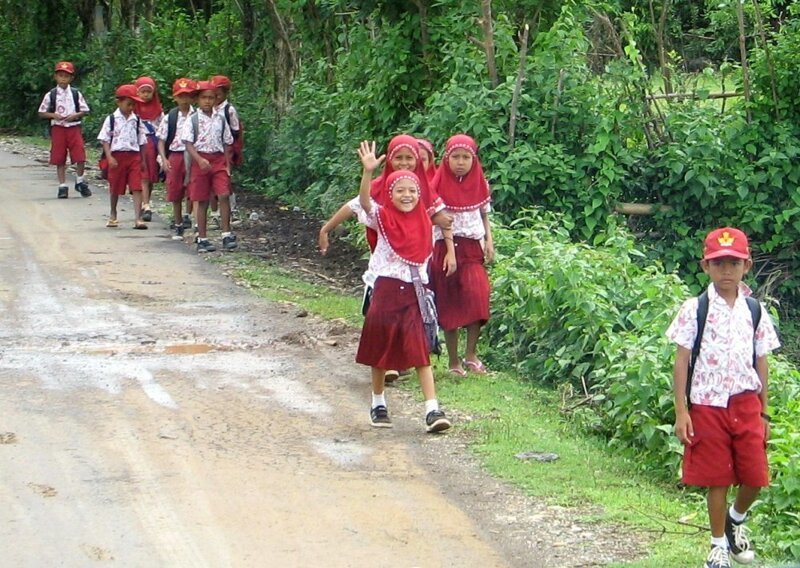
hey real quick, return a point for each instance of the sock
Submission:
(378, 400)
(79, 179)
(431, 405)
(720, 541)
(62, 185)
(736, 515)
(228, 234)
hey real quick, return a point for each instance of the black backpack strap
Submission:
(51, 106)
(172, 127)
(702, 313)
(755, 312)
(234, 133)
(76, 99)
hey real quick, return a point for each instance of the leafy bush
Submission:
(591, 320)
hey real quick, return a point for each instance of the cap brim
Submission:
(184, 92)
(726, 253)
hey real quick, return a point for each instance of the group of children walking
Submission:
(192, 149)
(428, 225)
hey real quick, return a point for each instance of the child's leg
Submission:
(114, 200)
(201, 217)
(717, 501)
(745, 497)
(473, 333)
(137, 205)
(225, 213)
(378, 384)
(146, 194)
(435, 419)
(425, 375)
(451, 341)
(80, 167)
(177, 212)
(61, 173)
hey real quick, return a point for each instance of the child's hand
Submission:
(112, 162)
(450, 265)
(488, 249)
(366, 152)
(684, 429)
(165, 165)
(443, 220)
(204, 164)
(323, 242)
(766, 430)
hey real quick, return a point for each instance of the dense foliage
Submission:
(591, 321)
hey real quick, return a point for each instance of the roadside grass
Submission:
(38, 141)
(507, 417)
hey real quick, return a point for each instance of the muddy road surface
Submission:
(152, 413)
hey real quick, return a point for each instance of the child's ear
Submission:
(704, 265)
(748, 264)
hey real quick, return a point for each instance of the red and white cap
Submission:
(726, 242)
(65, 66)
(184, 86)
(128, 92)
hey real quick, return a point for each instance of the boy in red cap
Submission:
(208, 141)
(123, 136)
(65, 107)
(720, 384)
(171, 149)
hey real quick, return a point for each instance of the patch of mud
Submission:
(43, 490)
(8, 438)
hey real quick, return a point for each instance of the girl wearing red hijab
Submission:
(462, 300)
(428, 157)
(151, 113)
(393, 335)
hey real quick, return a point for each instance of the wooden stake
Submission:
(743, 55)
(488, 41)
(523, 54)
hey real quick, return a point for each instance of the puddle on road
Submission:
(189, 348)
(173, 349)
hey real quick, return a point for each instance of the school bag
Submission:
(172, 127)
(237, 157)
(427, 308)
(102, 165)
(702, 312)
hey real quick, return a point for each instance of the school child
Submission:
(222, 86)
(721, 407)
(123, 136)
(171, 149)
(428, 157)
(151, 113)
(208, 141)
(462, 299)
(393, 336)
(65, 106)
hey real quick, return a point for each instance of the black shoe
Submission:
(147, 215)
(436, 421)
(187, 222)
(738, 541)
(63, 192)
(379, 417)
(718, 558)
(229, 242)
(203, 245)
(178, 236)
(83, 188)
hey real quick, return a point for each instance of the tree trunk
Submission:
(523, 55)
(285, 62)
(743, 55)
(662, 52)
(488, 41)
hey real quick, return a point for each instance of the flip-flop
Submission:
(475, 367)
(112, 223)
(457, 372)
(140, 227)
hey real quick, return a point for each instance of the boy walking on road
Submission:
(720, 383)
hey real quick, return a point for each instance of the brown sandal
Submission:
(140, 226)
(112, 223)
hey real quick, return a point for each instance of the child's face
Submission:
(726, 272)
(183, 99)
(145, 93)
(126, 105)
(222, 94)
(425, 158)
(206, 100)
(63, 78)
(405, 195)
(460, 162)
(404, 159)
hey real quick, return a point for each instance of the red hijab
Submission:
(426, 146)
(462, 193)
(408, 234)
(152, 109)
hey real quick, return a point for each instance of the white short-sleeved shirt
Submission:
(177, 144)
(724, 366)
(214, 133)
(65, 106)
(467, 224)
(384, 261)
(125, 137)
(232, 114)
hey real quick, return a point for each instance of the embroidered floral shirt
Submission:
(232, 114)
(466, 224)
(724, 366)
(384, 261)
(177, 144)
(65, 106)
(213, 133)
(126, 137)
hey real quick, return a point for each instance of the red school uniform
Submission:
(151, 113)
(65, 137)
(176, 176)
(211, 136)
(125, 143)
(462, 298)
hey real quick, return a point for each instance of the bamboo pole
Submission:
(641, 208)
(523, 54)
(743, 55)
(768, 55)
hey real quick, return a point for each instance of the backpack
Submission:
(102, 165)
(172, 127)
(238, 138)
(702, 312)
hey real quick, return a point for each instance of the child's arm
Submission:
(488, 248)
(366, 152)
(342, 215)
(762, 368)
(680, 371)
(162, 151)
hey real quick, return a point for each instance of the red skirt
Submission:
(393, 336)
(463, 298)
(150, 160)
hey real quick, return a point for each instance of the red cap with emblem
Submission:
(726, 241)
(184, 86)
(128, 92)
(65, 66)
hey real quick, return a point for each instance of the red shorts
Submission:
(127, 174)
(729, 446)
(150, 163)
(65, 139)
(176, 188)
(214, 181)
